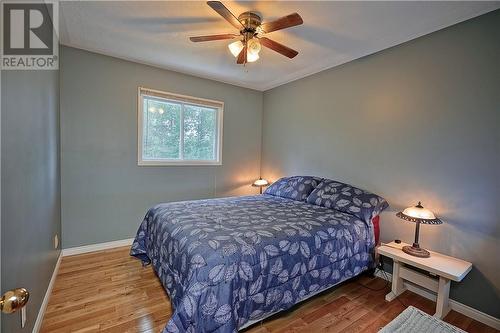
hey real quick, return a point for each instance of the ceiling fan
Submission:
(251, 30)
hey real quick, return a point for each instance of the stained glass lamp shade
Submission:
(418, 214)
(260, 183)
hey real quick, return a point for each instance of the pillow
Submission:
(348, 199)
(296, 187)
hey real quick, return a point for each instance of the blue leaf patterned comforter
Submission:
(225, 262)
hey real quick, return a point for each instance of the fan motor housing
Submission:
(250, 20)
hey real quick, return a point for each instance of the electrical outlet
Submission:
(56, 241)
(380, 264)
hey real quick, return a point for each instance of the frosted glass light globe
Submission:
(253, 46)
(235, 48)
(251, 57)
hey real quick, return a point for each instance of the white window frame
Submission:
(184, 100)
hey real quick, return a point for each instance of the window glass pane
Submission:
(200, 130)
(178, 128)
(161, 130)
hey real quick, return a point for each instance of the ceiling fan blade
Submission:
(282, 23)
(225, 13)
(280, 48)
(212, 37)
(242, 57)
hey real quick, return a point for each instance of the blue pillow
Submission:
(296, 187)
(348, 199)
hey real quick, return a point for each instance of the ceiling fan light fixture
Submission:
(235, 48)
(251, 30)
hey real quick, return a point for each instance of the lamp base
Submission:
(416, 251)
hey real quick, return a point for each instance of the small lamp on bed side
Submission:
(260, 183)
(418, 214)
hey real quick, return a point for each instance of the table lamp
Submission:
(418, 214)
(260, 183)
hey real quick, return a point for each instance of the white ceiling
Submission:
(333, 33)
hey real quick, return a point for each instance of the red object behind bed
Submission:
(376, 228)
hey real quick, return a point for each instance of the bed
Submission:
(227, 263)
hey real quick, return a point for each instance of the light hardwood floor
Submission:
(109, 291)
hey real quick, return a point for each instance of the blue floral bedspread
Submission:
(228, 261)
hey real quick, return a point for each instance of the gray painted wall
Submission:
(419, 121)
(105, 194)
(30, 188)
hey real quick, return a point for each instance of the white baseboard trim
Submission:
(45, 302)
(455, 305)
(96, 247)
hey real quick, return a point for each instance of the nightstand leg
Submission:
(442, 303)
(397, 283)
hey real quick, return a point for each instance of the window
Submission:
(178, 130)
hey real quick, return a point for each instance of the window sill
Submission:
(179, 163)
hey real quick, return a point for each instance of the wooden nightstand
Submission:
(444, 268)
